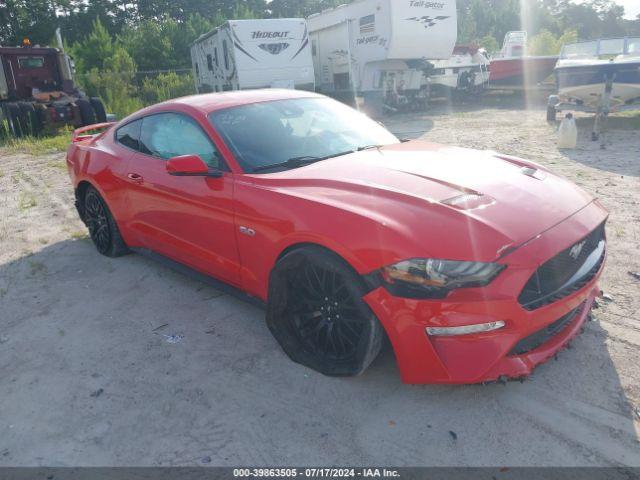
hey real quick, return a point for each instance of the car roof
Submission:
(215, 101)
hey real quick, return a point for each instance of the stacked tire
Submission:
(22, 119)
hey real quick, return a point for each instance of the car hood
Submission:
(514, 199)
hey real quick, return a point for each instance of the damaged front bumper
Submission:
(520, 338)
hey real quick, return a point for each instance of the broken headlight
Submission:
(430, 278)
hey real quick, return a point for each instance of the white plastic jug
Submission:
(568, 132)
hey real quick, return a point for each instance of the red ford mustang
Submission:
(476, 266)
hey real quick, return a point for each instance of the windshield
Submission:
(271, 133)
(633, 46)
(578, 50)
(611, 47)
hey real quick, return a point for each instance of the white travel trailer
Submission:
(243, 54)
(380, 48)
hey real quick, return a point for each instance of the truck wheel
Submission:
(316, 313)
(98, 108)
(29, 118)
(87, 115)
(14, 119)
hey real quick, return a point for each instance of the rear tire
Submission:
(30, 119)
(98, 108)
(316, 313)
(103, 229)
(87, 115)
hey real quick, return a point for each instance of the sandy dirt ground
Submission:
(125, 362)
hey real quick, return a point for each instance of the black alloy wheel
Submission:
(103, 229)
(317, 314)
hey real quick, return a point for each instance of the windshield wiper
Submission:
(297, 162)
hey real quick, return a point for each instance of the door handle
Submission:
(135, 178)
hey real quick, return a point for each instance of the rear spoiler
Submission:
(90, 131)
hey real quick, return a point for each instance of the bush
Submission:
(545, 43)
(115, 85)
(166, 86)
(489, 43)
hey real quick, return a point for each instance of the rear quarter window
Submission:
(129, 135)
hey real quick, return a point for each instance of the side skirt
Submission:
(201, 277)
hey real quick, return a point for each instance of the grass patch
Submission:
(26, 201)
(79, 235)
(38, 145)
(57, 164)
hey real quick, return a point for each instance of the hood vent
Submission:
(533, 173)
(469, 201)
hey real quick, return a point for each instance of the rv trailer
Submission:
(244, 54)
(381, 48)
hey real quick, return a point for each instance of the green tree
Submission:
(544, 43)
(95, 49)
(33, 19)
(300, 8)
(570, 36)
(149, 44)
(114, 83)
(489, 43)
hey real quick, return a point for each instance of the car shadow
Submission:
(131, 363)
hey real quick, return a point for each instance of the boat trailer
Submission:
(602, 112)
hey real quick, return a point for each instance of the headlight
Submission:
(429, 278)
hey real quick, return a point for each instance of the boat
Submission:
(466, 70)
(585, 69)
(513, 68)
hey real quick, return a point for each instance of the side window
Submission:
(215, 56)
(168, 135)
(209, 62)
(197, 69)
(225, 52)
(129, 135)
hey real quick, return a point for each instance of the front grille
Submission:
(537, 339)
(565, 273)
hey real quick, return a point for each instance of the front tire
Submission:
(87, 114)
(98, 108)
(103, 229)
(316, 313)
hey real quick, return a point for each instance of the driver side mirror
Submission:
(190, 166)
